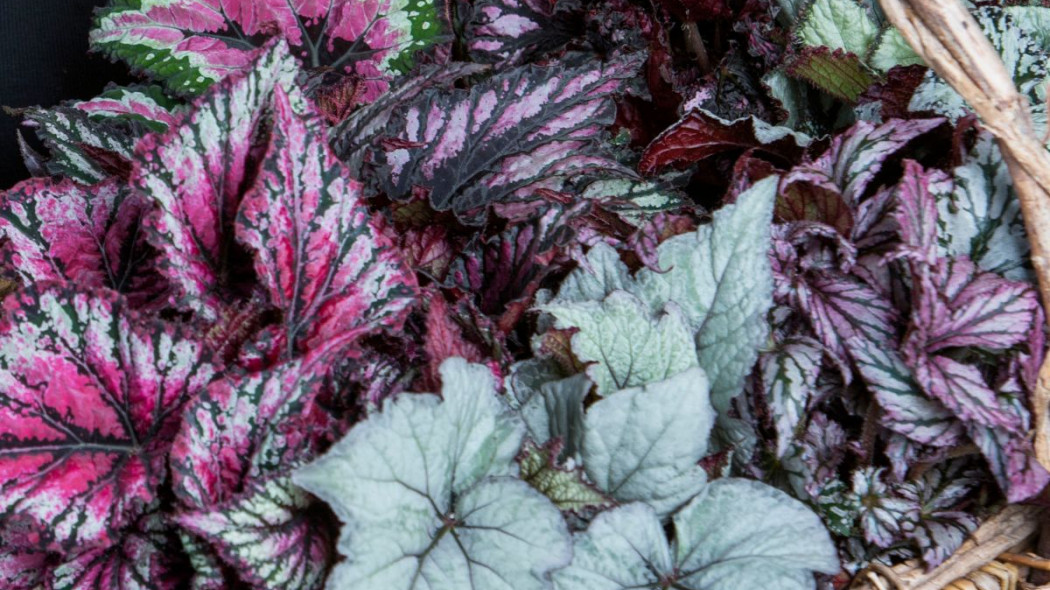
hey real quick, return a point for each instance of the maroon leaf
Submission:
(90, 396)
(700, 135)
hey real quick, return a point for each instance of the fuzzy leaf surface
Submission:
(643, 444)
(735, 534)
(427, 499)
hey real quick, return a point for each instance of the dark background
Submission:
(44, 60)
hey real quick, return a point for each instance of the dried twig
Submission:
(997, 535)
(949, 40)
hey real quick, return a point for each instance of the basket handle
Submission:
(950, 41)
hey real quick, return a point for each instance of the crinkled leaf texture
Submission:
(566, 487)
(627, 346)
(735, 535)
(526, 129)
(428, 497)
(643, 444)
(837, 24)
(718, 277)
(90, 397)
(190, 44)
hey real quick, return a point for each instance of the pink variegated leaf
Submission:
(318, 251)
(195, 175)
(1012, 462)
(916, 213)
(908, 410)
(268, 534)
(147, 106)
(854, 158)
(507, 137)
(985, 310)
(90, 397)
(509, 31)
(92, 140)
(840, 306)
(147, 558)
(244, 427)
(236, 437)
(190, 44)
(87, 235)
(23, 569)
(961, 388)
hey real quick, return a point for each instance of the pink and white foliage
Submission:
(319, 254)
(190, 44)
(229, 463)
(507, 31)
(90, 398)
(88, 235)
(195, 175)
(507, 137)
(147, 558)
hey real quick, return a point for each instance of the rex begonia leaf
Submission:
(230, 463)
(190, 44)
(788, 378)
(882, 515)
(147, 558)
(195, 174)
(423, 492)
(720, 278)
(835, 71)
(91, 140)
(89, 235)
(735, 534)
(91, 394)
(318, 252)
(840, 306)
(643, 443)
(942, 522)
(82, 149)
(1024, 52)
(981, 217)
(891, 50)
(550, 406)
(627, 346)
(566, 487)
(910, 411)
(509, 31)
(856, 156)
(147, 106)
(267, 533)
(519, 131)
(960, 306)
(701, 134)
(837, 24)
